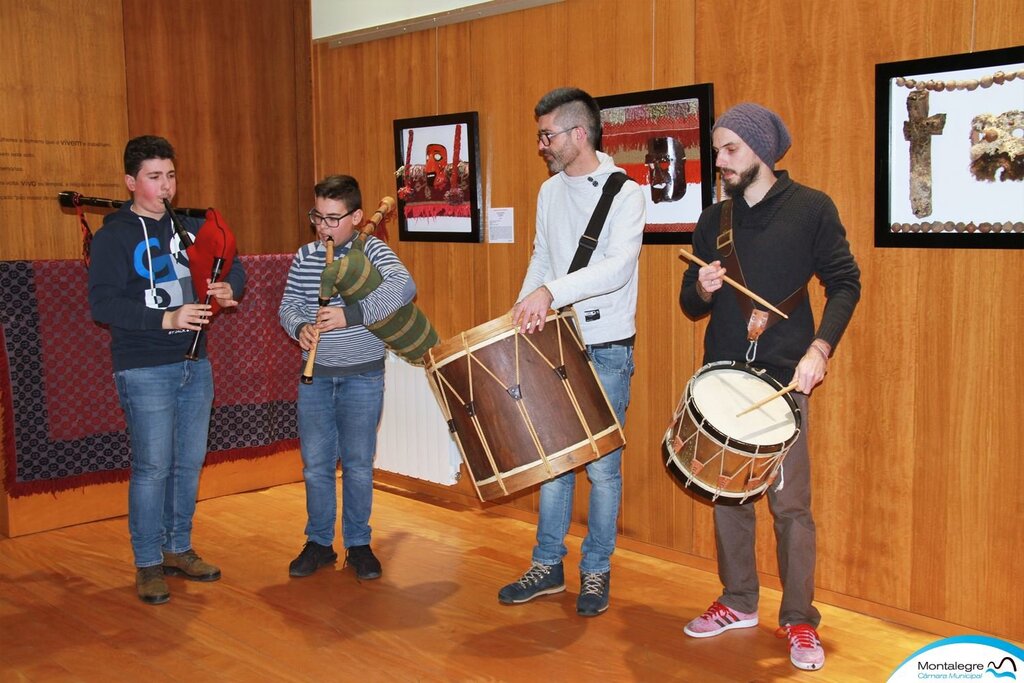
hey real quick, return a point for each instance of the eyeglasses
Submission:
(544, 137)
(316, 218)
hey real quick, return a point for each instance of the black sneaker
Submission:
(593, 593)
(361, 558)
(312, 557)
(540, 579)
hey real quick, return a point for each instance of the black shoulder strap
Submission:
(588, 242)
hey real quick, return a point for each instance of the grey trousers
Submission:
(794, 537)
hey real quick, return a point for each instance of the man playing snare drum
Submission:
(603, 293)
(783, 234)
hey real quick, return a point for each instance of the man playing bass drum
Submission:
(604, 294)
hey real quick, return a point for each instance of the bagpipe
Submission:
(209, 255)
(307, 372)
(407, 331)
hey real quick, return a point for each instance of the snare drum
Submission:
(522, 408)
(727, 457)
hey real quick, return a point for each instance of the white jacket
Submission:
(604, 293)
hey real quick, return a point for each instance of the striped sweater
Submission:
(354, 349)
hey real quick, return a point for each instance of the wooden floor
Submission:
(68, 610)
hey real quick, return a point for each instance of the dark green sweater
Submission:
(790, 236)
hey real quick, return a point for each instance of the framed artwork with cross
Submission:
(949, 151)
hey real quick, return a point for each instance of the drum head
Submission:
(720, 394)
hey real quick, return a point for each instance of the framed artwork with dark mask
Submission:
(949, 151)
(438, 173)
(662, 139)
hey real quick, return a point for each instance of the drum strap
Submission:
(757, 320)
(588, 242)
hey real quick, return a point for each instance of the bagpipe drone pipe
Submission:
(407, 331)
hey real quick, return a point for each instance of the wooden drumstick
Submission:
(766, 399)
(735, 284)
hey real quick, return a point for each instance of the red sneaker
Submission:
(718, 618)
(805, 650)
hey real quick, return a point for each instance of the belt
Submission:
(628, 341)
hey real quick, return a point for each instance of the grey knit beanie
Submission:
(760, 128)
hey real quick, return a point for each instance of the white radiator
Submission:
(413, 438)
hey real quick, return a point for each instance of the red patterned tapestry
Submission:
(62, 423)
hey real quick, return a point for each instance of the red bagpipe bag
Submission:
(214, 241)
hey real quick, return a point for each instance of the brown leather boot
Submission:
(149, 581)
(190, 565)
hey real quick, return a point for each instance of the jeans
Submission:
(338, 419)
(614, 367)
(167, 409)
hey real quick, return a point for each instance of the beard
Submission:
(558, 160)
(554, 164)
(746, 178)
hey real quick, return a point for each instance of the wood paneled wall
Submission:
(500, 67)
(917, 432)
(63, 123)
(228, 82)
(917, 436)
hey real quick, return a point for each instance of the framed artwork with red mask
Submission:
(949, 151)
(662, 139)
(438, 178)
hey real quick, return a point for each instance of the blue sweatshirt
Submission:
(139, 271)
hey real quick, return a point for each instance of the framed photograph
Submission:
(949, 151)
(438, 173)
(662, 138)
